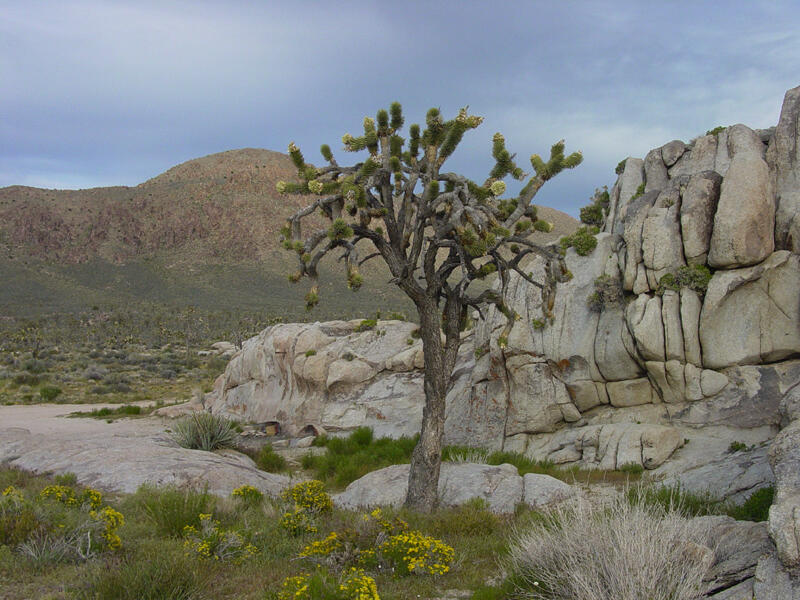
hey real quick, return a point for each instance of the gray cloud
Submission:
(96, 93)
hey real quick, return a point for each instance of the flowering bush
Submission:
(111, 520)
(210, 541)
(353, 585)
(298, 522)
(66, 495)
(413, 552)
(309, 495)
(248, 495)
(59, 524)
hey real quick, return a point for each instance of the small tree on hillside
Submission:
(438, 232)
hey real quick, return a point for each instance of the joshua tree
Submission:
(436, 231)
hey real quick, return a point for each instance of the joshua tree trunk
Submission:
(427, 456)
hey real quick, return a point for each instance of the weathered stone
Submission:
(691, 305)
(614, 445)
(773, 582)
(635, 216)
(698, 206)
(662, 250)
(722, 160)
(672, 151)
(631, 392)
(692, 376)
(534, 396)
(703, 154)
(751, 315)
(500, 486)
(643, 316)
(673, 329)
(712, 382)
(477, 405)
(737, 545)
(345, 371)
(613, 345)
(656, 178)
(745, 219)
(784, 514)
(657, 371)
(542, 490)
(584, 394)
(630, 180)
(783, 157)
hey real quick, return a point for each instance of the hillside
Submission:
(203, 232)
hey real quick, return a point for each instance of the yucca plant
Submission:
(204, 431)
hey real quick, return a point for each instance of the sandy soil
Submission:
(52, 419)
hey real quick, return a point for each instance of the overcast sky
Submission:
(112, 93)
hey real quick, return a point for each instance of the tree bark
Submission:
(423, 478)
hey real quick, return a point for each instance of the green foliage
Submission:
(366, 325)
(204, 431)
(348, 459)
(592, 215)
(270, 461)
(538, 324)
(620, 166)
(717, 130)
(582, 240)
(639, 191)
(737, 447)
(633, 468)
(48, 393)
(694, 277)
(171, 509)
(340, 230)
(755, 508)
(309, 353)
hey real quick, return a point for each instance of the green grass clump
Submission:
(204, 431)
(350, 458)
(105, 412)
(755, 508)
(269, 460)
(737, 447)
(170, 509)
(155, 571)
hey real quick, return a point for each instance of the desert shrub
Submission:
(413, 552)
(26, 379)
(36, 366)
(304, 502)
(48, 393)
(269, 460)
(170, 509)
(639, 191)
(204, 431)
(607, 293)
(366, 325)
(348, 459)
(737, 447)
(620, 166)
(582, 240)
(167, 374)
(694, 277)
(638, 551)
(717, 130)
(209, 541)
(95, 372)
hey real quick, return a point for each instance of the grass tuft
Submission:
(204, 431)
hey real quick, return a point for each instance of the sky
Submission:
(96, 93)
